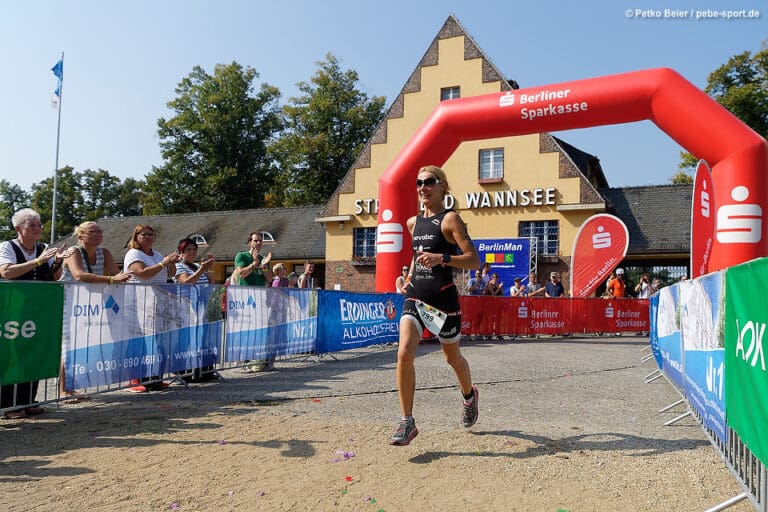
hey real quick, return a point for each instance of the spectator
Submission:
(279, 281)
(25, 258)
(88, 262)
(293, 280)
(617, 286)
(554, 287)
(306, 280)
(644, 289)
(251, 268)
(533, 288)
(493, 287)
(189, 272)
(485, 273)
(147, 267)
(656, 285)
(401, 280)
(517, 290)
(476, 285)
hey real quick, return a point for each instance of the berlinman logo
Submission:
(112, 304)
(507, 100)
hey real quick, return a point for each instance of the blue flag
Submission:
(58, 70)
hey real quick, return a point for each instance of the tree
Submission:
(326, 128)
(741, 86)
(215, 146)
(12, 199)
(68, 202)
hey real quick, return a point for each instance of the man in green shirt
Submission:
(251, 268)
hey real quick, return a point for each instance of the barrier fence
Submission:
(707, 339)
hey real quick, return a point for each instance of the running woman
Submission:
(432, 300)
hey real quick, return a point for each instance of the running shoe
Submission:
(405, 432)
(469, 416)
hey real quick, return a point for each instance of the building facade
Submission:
(534, 185)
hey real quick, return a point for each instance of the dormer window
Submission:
(199, 240)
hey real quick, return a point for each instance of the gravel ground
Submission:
(565, 424)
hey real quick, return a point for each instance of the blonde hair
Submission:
(83, 228)
(278, 266)
(439, 174)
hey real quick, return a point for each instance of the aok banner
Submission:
(746, 373)
(30, 331)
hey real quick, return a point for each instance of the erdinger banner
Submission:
(352, 320)
(600, 245)
(702, 220)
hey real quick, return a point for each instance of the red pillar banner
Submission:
(599, 247)
(738, 155)
(702, 220)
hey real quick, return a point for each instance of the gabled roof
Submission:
(658, 217)
(297, 236)
(490, 73)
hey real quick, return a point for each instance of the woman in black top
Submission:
(431, 293)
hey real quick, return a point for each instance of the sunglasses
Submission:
(147, 235)
(429, 182)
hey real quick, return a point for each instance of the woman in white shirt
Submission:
(145, 263)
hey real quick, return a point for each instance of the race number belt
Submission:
(432, 317)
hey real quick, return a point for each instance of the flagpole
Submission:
(56, 167)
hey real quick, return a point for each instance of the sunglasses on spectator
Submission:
(147, 235)
(429, 182)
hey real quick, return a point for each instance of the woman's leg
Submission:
(459, 364)
(410, 335)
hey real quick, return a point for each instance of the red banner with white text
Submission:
(702, 220)
(514, 316)
(600, 245)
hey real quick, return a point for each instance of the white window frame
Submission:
(450, 93)
(546, 232)
(491, 164)
(363, 245)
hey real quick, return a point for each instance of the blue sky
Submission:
(123, 61)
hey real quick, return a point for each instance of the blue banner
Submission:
(263, 323)
(118, 333)
(702, 320)
(352, 320)
(508, 257)
(654, 333)
(670, 338)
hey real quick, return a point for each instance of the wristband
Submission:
(161, 264)
(38, 262)
(110, 280)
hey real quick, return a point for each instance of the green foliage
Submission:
(327, 127)
(682, 178)
(215, 146)
(81, 196)
(12, 199)
(741, 86)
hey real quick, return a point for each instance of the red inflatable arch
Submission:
(737, 155)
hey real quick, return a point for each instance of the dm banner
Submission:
(263, 323)
(746, 374)
(702, 321)
(30, 331)
(122, 332)
(352, 320)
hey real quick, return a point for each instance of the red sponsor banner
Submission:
(515, 316)
(600, 245)
(702, 220)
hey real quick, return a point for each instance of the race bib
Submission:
(432, 317)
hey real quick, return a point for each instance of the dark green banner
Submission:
(746, 364)
(30, 330)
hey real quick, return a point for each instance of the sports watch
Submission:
(446, 258)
